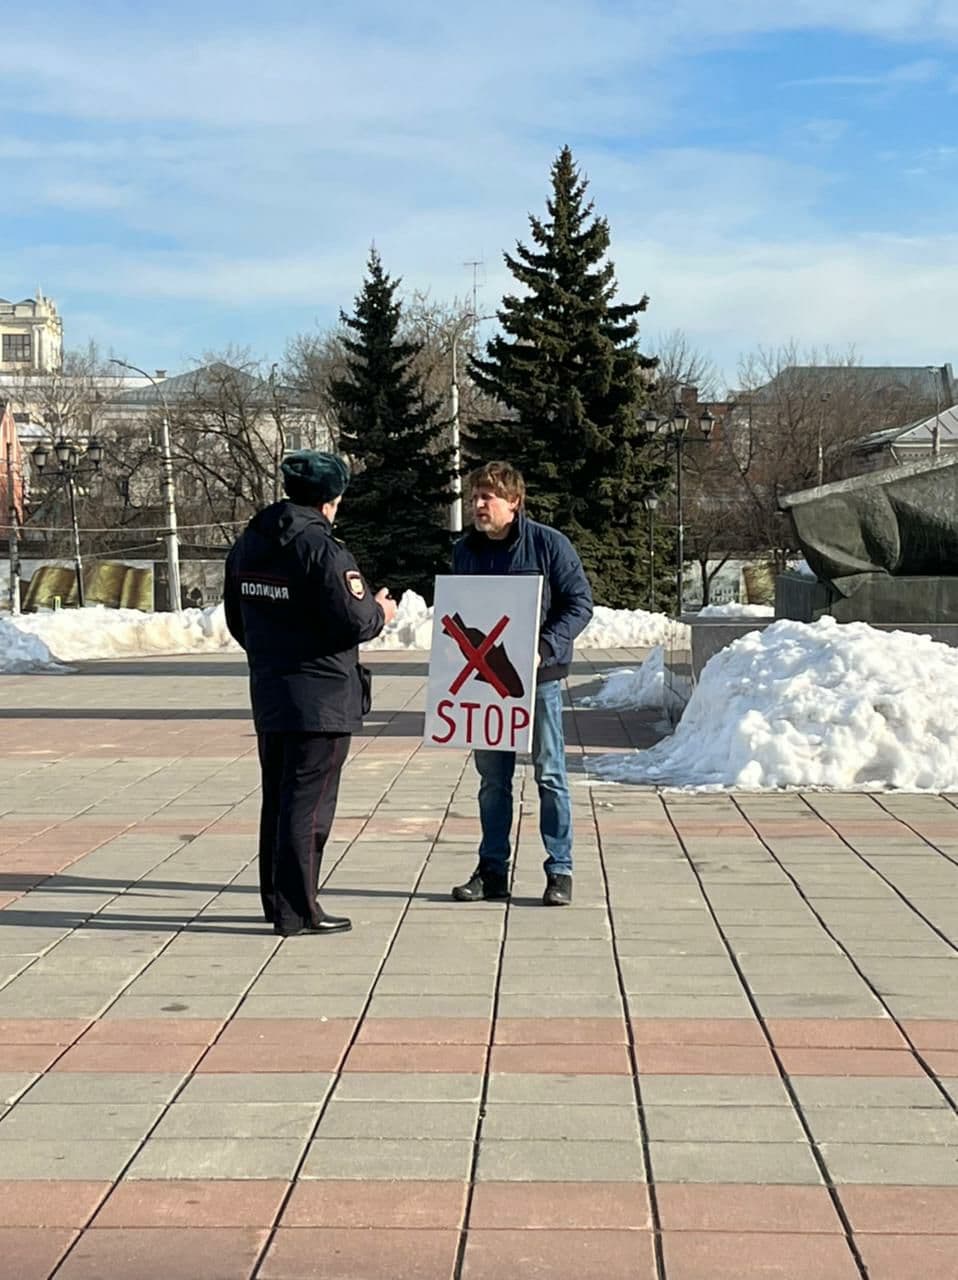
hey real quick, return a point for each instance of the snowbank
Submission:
(609, 628)
(643, 686)
(76, 635)
(21, 652)
(410, 629)
(733, 610)
(813, 705)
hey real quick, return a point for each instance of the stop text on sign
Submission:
(490, 726)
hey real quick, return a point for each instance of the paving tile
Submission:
(192, 1204)
(548, 1059)
(52, 1031)
(723, 1124)
(271, 1158)
(85, 1159)
(426, 1120)
(261, 1086)
(66, 1122)
(562, 1255)
(901, 1210)
(734, 1091)
(270, 1057)
(576, 1206)
(49, 1203)
(137, 1058)
(889, 1257)
(835, 1033)
(560, 1161)
(789, 1163)
(17, 1058)
(181, 1031)
(559, 1122)
(408, 1087)
(389, 1158)
(889, 1091)
(451, 1059)
(32, 1253)
(424, 1031)
(894, 1164)
(923, 1125)
(698, 1031)
(238, 1120)
(716, 1255)
(741, 1207)
(720, 1060)
(360, 1254)
(81, 1087)
(168, 1253)
(590, 1031)
(425, 1205)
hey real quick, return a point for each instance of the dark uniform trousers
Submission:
(300, 774)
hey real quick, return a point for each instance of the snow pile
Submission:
(609, 628)
(20, 651)
(75, 635)
(813, 705)
(625, 629)
(641, 687)
(733, 610)
(410, 629)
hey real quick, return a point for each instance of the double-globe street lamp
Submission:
(671, 431)
(651, 503)
(70, 468)
(170, 535)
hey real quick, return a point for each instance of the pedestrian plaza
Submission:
(735, 1055)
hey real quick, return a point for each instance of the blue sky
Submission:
(188, 176)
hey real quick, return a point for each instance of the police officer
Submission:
(297, 603)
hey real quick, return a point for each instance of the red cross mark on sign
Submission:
(475, 655)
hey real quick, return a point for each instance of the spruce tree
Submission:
(395, 511)
(569, 374)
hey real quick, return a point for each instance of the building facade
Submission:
(31, 336)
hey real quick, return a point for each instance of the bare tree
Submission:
(681, 366)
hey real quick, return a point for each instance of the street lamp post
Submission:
(936, 433)
(821, 447)
(455, 507)
(171, 536)
(675, 427)
(651, 502)
(69, 468)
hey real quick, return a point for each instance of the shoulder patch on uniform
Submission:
(354, 581)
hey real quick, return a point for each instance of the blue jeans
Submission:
(496, 769)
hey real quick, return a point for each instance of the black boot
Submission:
(558, 891)
(322, 923)
(493, 886)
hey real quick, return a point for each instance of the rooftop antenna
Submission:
(475, 263)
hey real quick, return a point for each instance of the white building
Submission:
(31, 336)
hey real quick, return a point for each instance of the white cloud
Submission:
(259, 160)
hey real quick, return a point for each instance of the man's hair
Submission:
(502, 478)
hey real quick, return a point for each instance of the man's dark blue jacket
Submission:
(566, 595)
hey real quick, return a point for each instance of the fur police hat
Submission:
(313, 477)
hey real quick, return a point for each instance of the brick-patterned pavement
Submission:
(735, 1056)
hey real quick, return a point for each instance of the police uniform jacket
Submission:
(297, 603)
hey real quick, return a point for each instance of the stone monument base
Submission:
(877, 598)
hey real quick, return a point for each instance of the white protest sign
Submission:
(482, 669)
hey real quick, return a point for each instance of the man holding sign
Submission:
(504, 542)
